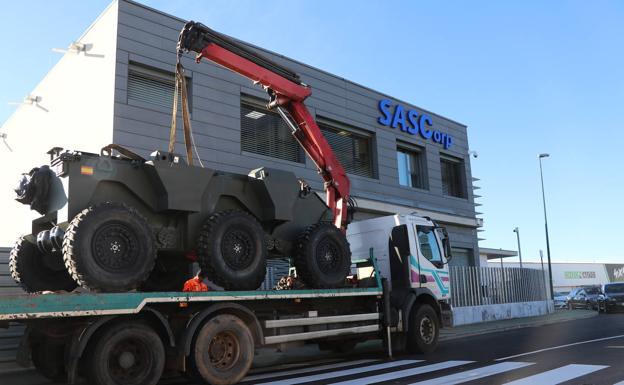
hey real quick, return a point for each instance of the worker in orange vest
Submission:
(196, 283)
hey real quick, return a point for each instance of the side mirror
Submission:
(446, 243)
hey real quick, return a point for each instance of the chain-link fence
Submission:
(476, 286)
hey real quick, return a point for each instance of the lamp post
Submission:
(517, 231)
(546, 226)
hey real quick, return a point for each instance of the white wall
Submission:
(75, 112)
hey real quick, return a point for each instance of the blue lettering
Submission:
(412, 116)
(384, 104)
(448, 142)
(425, 120)
(399, 118)
(437, 136)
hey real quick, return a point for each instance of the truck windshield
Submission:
(429, 244)
(615, 288)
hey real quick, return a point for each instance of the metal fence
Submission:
(476, 286)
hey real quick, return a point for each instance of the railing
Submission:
(476, 286)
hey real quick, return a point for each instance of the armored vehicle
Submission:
(120, 222)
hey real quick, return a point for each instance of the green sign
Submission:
(579, 274)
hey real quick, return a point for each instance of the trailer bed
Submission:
(31, 306)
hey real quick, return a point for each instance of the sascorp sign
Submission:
(410, 121)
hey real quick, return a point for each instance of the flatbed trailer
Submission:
(67, 333)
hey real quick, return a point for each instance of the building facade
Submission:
(399, 157)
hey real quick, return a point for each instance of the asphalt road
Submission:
(585, 351)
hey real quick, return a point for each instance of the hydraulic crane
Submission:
(287, 95)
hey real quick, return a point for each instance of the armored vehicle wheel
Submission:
(323, 257)
(232, 250)
(48, 358)
(30, 271)
(126, 353)
(109, 247)
(222, 351)
(424, 330)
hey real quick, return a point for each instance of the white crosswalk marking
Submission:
(306, 369)
(474, 374)
(340, 373)
(559, 375)
(403, 373)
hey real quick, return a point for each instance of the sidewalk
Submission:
(514, 323)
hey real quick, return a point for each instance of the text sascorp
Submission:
(411, 121)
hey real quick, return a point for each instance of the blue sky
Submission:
(526, 77)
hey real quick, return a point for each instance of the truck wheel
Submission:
(322, 257)
(49, 359)
(223, 350)
(424, 330)
(232, 250)
(109, 247)
(126, 353)
(30, 271)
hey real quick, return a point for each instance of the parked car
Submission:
(612, 297)
(586, 298)
(561, 300)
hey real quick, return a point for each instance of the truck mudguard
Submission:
(419, 295)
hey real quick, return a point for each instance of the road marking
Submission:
(403, 373)
(615, 347)
(306, 369)
(475, 374)
(340, 373)
(559, 347)
(559, 375)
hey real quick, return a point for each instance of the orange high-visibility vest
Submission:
(195, 284)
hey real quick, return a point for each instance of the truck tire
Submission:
(109, 247)
(49, 359)
(128, 352)
(232, 250)
(322, 256)
(222, 351)
(32, 274)
(424, 330)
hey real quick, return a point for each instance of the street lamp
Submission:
(546, 226)
(517, 231)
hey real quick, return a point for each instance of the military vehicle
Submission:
(108, 220)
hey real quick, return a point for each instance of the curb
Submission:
(512, 327)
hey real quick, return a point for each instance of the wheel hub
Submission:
(427, 330)
(115, 246)
(129, 361)
(223, 350)
(237, 249)
(126, 360)
(327, 256)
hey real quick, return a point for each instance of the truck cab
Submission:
(412, 254)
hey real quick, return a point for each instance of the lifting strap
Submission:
(181, 90)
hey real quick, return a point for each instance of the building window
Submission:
(352, 148)
(264, 132)
(453, 176)
(411, 166)
(153, 86)
(461, 257)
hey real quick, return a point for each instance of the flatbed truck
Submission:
(399, 293)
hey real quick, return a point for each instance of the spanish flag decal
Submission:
(86, 170)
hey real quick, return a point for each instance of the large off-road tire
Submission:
(109, 247)
(29, 270)
(222, 351)
(48, 357)
(128, 352)
(424, 330)
(322, 256)
(232, 250)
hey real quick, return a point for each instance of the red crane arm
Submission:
(287, 94)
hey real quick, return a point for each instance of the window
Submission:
(429, 244)
(453, 176)
(353, 149)
(411, 166)
(264, 132)
(153, 86)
